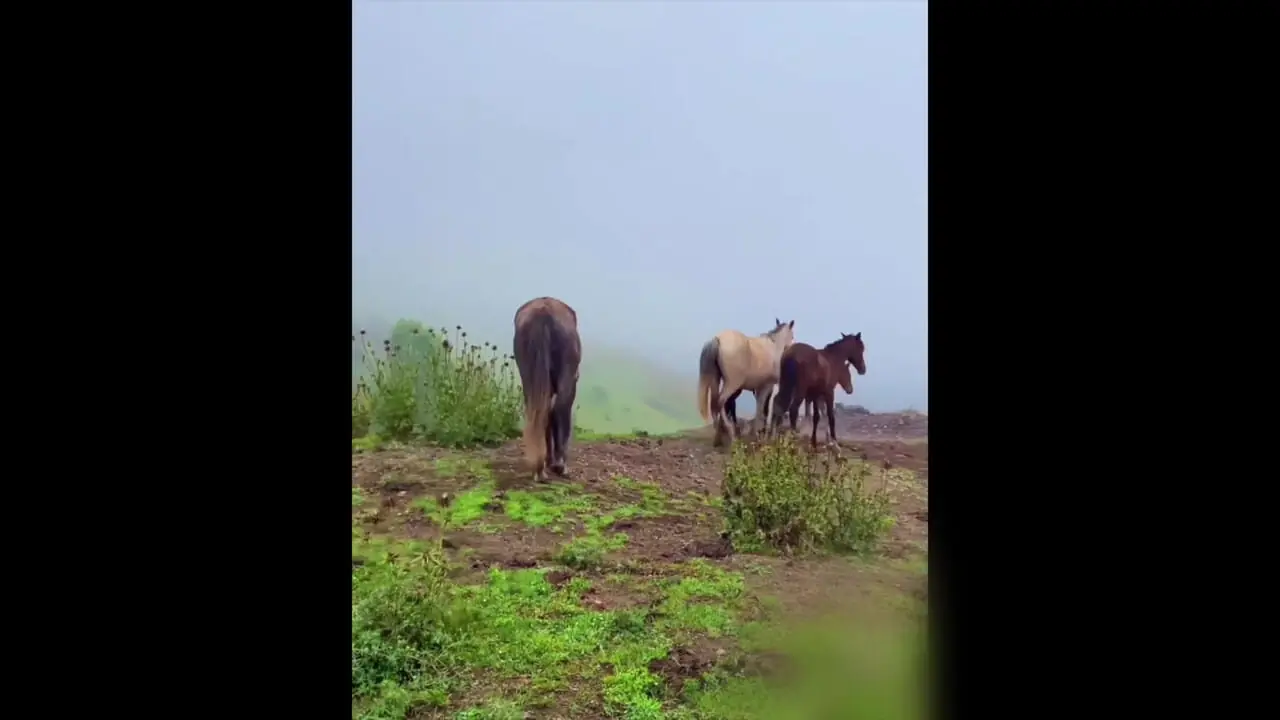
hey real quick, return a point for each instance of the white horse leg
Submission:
(760, 394)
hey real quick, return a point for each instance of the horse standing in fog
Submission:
(732, 362)
(548, 352)
(810, 375)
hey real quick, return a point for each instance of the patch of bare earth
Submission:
(688, 469)
(672, 538)
(690, 661)
(910, 534)
(391, 480)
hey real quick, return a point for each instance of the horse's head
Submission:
(845, 379)
(783, 335)
(852, 348)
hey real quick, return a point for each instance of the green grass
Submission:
(420, 642)
(549, 506)
(516, 625)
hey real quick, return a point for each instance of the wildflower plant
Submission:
(429, 385)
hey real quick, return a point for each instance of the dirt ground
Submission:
(688, 471)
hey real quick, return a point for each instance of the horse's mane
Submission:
(830, 345)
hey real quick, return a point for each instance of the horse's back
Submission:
(802, 360)
(730, 339)
(803, 354)
(556, 309)
(562, 324)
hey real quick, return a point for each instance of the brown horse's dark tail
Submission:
(534, 359)
(788, 378)
(708, 377)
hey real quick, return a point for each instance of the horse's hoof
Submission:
(558, 469)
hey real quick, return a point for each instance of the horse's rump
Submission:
(795, 374)
(548, 352)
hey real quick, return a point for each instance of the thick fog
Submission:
(669, 170)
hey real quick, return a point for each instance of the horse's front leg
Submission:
(769, 410)
(813, 439)
(831, 418)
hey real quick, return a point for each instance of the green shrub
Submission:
(780, 495)
(423, 384)
(404, 620)
(398, 614)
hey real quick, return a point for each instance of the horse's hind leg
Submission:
(813, 439)
(728, 392)
(562, 428)
(794, 411)
(731, 409)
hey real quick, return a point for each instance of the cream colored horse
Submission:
(740, 363)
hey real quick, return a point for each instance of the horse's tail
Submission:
(788, 376)
(708, 376)
(533, 357)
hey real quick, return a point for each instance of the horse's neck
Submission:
(833, 362)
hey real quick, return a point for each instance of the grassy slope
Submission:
(620, 393)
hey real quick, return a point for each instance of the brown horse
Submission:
(740, 363)
(548, 352)
(809, 375)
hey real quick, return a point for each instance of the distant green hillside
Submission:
(619, 393)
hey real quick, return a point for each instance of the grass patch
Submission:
(706, 600)
(588, 551)
(366, 443)
(581, 434)
(653, 498)
(456, 511)
(493, 710)
(454, 466)
(548, 506)
(418, 639)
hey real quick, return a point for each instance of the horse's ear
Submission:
(776, 322)
(791, 324)
(843, 335)
(858, 335)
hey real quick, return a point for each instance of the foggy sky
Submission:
(669, 170)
